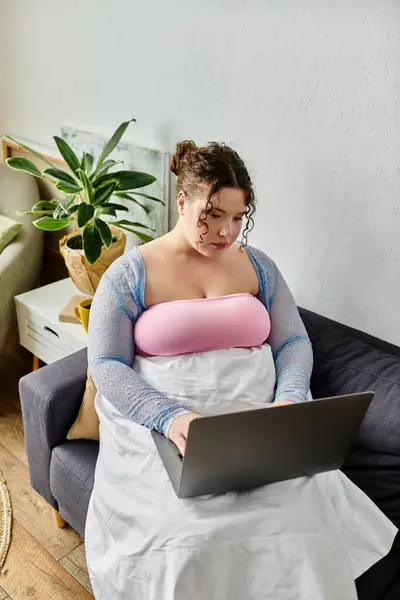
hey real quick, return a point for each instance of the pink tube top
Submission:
(201, 325)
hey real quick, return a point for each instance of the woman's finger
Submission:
(180, 442)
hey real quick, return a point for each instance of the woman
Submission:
(191, 324)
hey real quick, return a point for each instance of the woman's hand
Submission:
(283, 402)
(178, 431)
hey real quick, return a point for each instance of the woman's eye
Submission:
(216, 216)
(238, 219)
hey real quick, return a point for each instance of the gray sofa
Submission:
(345, 361)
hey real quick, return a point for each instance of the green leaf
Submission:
(60, 212)
(92, 242)
(87, 162)
(86, 184)
(37, 213)
(135, 224)
(108, 209)
(126, 180)
(113, 141)
(49, 224)
(124, 195)
(85, 213)
(45, 205)
(72, 209)
(104, 231)
(106, 180)
(118, 206)
(132, 224)
(61, 175)
(142, 236)
(23, 164)
(103, 193)
(129, 180)
(100, 171)
(37, 154)
(68, 154)
(70, 201)
(149, 197)
(147, 209)
(68, 188)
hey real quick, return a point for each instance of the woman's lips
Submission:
(221, 245)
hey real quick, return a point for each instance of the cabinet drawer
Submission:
(43, 349)
(44, 339)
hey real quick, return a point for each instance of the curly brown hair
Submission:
(217, 166)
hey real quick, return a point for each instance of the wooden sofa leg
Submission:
(60, 522)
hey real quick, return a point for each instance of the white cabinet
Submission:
(40, 330)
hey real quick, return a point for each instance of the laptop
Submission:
(245, 450)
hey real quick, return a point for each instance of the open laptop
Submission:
(245, 450)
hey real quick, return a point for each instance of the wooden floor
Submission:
(44, 563)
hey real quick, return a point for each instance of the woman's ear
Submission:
(181, 203)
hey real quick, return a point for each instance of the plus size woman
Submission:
(194, 323)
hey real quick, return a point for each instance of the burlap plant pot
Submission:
(85, 276)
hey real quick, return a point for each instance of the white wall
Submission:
(308, 92)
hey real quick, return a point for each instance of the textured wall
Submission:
(308, 92)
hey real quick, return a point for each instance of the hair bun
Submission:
(182, 152)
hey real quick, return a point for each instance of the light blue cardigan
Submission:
(118, 303)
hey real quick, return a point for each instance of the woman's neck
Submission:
(179, 244)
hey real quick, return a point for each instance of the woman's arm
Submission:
(111, 353)
(290, 344)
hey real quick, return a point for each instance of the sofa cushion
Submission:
(72, 470)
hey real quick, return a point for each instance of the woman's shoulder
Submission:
(126, 268)
(124, 280)
(262, 259)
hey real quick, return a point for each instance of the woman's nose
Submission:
(226, 230)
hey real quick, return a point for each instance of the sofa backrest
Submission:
(348, 361)
(18, 191)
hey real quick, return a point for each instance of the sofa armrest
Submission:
(50, 401)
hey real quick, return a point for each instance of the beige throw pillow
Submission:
(86, 425)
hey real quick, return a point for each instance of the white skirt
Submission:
(307, 538)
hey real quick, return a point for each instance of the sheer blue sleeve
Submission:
(111, 351)
(289, 341)
(290, 344)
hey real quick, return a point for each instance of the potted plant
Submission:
(90, 189)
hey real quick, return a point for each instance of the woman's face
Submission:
(224, 222)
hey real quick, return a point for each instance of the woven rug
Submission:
(5, 521)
